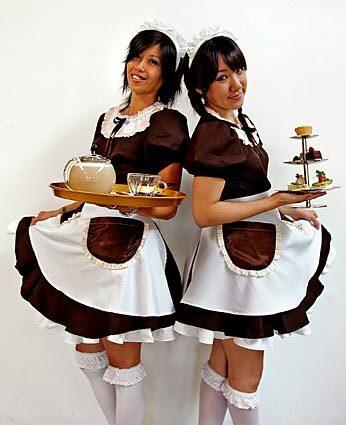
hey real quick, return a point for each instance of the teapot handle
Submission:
(67, 169)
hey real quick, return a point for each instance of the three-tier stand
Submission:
(305, 163)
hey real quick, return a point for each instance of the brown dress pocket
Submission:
(249, 247)
(113, 242)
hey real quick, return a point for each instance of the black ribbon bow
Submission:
(118, 124)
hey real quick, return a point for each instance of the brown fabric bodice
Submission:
(162, 143)
(215, 150)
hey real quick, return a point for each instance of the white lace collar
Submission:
(133, 123)
(240, 132)
(217, 115)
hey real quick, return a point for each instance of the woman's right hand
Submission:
(287, 198)
(44, 215)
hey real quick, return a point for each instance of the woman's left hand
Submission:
(303, 214)
(123, 210)
(127, 210)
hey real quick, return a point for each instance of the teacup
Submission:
(145, 184)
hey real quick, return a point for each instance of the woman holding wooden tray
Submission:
(256, 270)
(104, 276)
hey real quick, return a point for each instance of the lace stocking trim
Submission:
(240, 399)
(212, 378)
(125, 377)
(90, 360)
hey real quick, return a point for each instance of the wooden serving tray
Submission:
(166, 198)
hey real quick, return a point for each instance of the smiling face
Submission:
(144, 72)
(228, 89)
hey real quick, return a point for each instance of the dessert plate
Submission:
(311, 190)
(312, 136)
(308, 161)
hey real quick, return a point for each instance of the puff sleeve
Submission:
(167, 139)
(214, 150)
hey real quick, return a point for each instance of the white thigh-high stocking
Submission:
(131, 404)
(243, 407)
(212, 403)
(94, 365)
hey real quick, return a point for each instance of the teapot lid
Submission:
(94, 158)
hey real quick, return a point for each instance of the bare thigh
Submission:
(90, 348)
(245, 366)
(123, 356)
(218, 359)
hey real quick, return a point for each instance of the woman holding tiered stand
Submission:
(255, 272)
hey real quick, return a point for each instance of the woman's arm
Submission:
(70, 207)
(208, 210)
(44, 215)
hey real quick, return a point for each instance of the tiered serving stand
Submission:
(305, 163)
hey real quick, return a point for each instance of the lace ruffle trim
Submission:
(240, 132)
(104, 264)
(125, 377)
(72, 218)
(90, 360)
(204, 35)
(245, 272)
(179, 42)
(133, 124)
(240, 399)
(212, 378)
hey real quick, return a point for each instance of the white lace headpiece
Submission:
(204, 35)
(178, 41)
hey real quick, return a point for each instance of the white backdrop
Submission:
(60, 69)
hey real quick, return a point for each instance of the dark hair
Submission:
(204, 67)
(170, 76)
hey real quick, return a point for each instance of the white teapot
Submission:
(90, 173)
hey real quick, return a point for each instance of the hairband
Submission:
(204, 35)
(177, 39)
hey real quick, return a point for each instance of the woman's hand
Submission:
(309, 215)
(302, 214)
(127, 210)
(284, 198)
(123, 210)
(44, 215)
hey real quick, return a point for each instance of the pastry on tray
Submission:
(299, 184)
(323, 181)
(298, 158)
(303, 131)
(311, 155)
